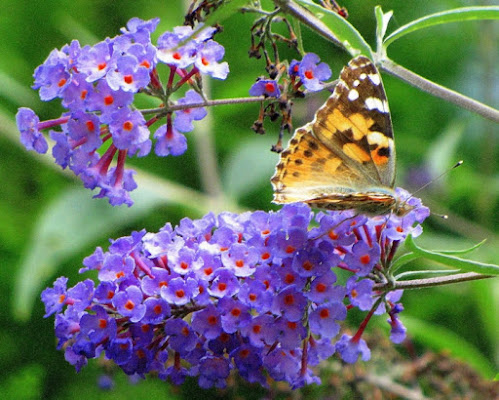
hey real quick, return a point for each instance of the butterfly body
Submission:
(345, 158)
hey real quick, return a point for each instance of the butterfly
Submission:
(345, 158)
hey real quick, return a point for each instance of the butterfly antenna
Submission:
(443, 216)
(458, 164)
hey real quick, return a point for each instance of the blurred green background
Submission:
(48, 224)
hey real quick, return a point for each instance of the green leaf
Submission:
(456, 15)
(455, 262)
(465, 251)
(382, 21)
(402, 260)
(408, 257)
(339, 27)
(299, 36)
(440, 339)
(426, 272)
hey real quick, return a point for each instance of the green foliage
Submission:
(456, 15)
(447, 258)
(346, 34)
(29, 378)
(437, 337)
(40, 207)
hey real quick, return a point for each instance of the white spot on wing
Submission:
(378, 138)
(362, 76)
(356, 83)
(375, 79)
(373, 103)
(353, 95)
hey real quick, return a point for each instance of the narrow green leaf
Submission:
(345, 32)
(453, 261)
(456, 15)
(440, 339)
(402, 260)
(382, 21)
(465, 251)
(299, 36)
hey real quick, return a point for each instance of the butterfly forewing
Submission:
(355, 123)
(346, 154)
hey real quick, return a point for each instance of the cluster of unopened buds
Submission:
(260, 292)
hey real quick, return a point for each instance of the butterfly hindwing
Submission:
(306, 168)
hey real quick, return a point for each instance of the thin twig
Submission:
(429, 282)
(208, 103)
(439, 91)
(221, 102)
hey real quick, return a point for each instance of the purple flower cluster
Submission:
(257, 293)
(309, 72)
(97, 85)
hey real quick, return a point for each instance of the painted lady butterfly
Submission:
(345, 158)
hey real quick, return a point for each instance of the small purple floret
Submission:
(265, 87)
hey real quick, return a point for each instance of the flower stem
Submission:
(364, 323)
(429, 282)
(208, 103)
(439, 91)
